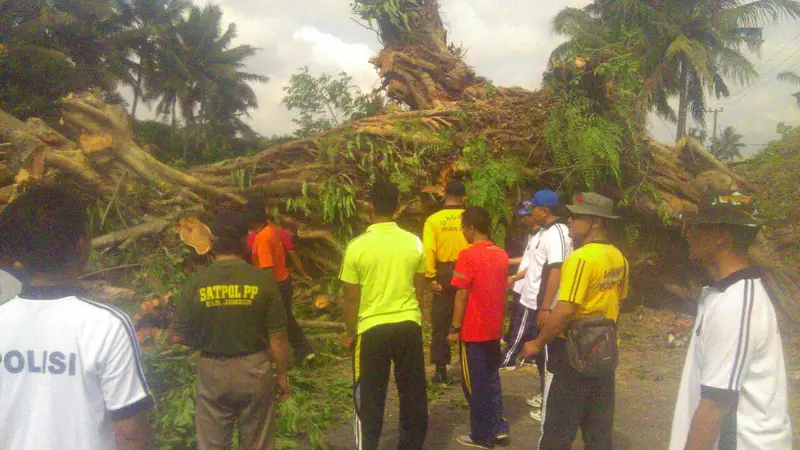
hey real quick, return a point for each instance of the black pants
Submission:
(512, 310)
(375, 350)
(297, 339)
(523, 328)
(480, 370)
(442, 314)
(575, 401)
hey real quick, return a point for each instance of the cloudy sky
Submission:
(508, 41)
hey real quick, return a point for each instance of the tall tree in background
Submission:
(728, 147)
(149, 40)
(215, 93)
(691, 47)
(325, 102)
(51, 48)
(793, 78)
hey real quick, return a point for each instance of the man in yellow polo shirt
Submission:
(443, 242)
(383, 276)
(594, 282)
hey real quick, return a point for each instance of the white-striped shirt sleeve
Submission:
(122, 378)
(727, 339)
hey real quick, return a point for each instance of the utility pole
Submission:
(716, 114)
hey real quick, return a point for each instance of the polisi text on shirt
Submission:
(44, 362)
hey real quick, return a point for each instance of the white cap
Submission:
(10, 286)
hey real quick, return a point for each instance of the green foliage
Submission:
(491, 181)
(180, 56)
(386, 12)
(491, 89)
(324, 101)
(50, 48)
(338, 198)
(171, 376)
(728, 147)
(164, 141)
(403, 181)
(586, 143)
(784, 130)
(317, 401)
(594, 131)
(778, 165)
(792, 78)
(688, 47)
(320, 397)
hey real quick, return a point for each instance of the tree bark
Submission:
(136, 92)
(683, 100)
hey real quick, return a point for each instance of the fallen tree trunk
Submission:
(146, 229)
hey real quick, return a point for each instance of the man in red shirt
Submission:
(480, 276)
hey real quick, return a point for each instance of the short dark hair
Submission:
(229, 229)
(256, 210)
(41, 229)
(455, 188)
(477, 217)
(384, 197)
(741, 237)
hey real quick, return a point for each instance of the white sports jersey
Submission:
(69, 368)
(552, 247)
(736, 352)
(519, 286)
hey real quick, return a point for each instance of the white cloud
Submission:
(331, 54)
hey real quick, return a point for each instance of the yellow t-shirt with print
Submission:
(595, 277)
(443, 239)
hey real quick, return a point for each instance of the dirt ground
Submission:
(647, 386)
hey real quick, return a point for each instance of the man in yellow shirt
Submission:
(594, 282)
(443, 241)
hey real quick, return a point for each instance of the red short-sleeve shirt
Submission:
(286, 239)
(483, 270)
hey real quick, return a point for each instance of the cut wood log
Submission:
(146, 229)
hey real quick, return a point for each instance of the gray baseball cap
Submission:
(10, 286)
(592, 204)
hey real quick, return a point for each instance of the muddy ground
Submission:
(647, 385)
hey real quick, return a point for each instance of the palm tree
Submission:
(699, 135)
(728, 147)
(685, 48)
(147, 39)
(208, 84)
(793, 78)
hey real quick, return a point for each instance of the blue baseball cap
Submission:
(545, 198)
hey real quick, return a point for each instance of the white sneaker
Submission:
(535, 401)
(536, 415)
(508, 368)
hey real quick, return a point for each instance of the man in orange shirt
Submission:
(268, 253)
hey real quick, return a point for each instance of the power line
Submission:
(756, 81)
(781, 49)
(745, 92)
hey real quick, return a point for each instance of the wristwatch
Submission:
(454, 329)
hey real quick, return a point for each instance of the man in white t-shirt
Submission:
(70, 371)
(547, 251)
(522, 320)
(733, 392)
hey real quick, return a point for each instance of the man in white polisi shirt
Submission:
(733, 391)
(70, 371)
